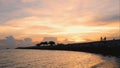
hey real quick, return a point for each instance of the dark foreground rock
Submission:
(110, 47)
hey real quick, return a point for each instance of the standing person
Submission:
(101, 39)
(104, 38)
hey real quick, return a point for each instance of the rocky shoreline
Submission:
(109, 47)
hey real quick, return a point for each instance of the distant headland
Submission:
(104, 47)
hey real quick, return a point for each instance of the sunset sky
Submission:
(75, 20)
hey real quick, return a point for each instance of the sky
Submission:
(75, 20)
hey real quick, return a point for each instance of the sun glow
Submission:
(76, 20)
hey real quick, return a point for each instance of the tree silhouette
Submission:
(44, 43)
(38, 44)
(51, 43)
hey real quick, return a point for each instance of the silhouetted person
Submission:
(104, 38)
(113, 38)
(101, 39)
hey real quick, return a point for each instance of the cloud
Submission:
(110, 18)
(30, 26)
(37, 18)
(27, 1)
(15, 9)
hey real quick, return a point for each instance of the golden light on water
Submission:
(56, 59)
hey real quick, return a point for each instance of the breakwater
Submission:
(108, 47)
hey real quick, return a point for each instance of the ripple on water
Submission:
(53, 59)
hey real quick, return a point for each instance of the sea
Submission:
(26, 58)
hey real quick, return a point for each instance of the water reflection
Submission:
(52, 59)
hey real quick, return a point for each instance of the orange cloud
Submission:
(76, 20)
(27, 1)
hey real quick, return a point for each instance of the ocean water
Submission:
(16, 58)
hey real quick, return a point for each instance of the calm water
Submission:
(53, 59)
